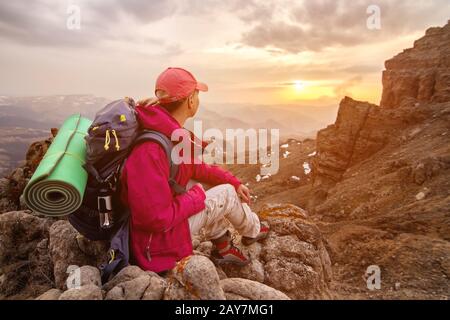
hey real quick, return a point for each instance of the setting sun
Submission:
(299, 86)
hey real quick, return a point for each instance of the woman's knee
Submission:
(230, 190)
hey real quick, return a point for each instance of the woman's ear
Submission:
(190, 101)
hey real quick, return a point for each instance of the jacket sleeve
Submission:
(150, 197)
(214, 175)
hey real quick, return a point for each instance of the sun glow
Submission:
(299, 85)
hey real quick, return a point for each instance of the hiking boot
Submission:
(227, 253)
(263, 233)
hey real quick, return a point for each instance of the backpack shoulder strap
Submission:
(167, 145)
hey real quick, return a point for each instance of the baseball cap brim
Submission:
(201, 86)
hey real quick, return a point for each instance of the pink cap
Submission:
(175, 84)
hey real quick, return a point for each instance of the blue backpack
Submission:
(112, 136)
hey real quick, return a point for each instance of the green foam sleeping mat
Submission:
(58, 184)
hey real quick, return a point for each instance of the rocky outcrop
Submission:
(244, 289)
(12, 186)
(87, 292)
(418, 75)
(52, 294)
(422, 72)
(156, 287)
(293, 259)
(65, 250)
(194, 278)
(24, 257)
(126, 274)
(360, 131)
(291, 263)
(129, 290)
(132, 283)
(336, 144)
(381, 178)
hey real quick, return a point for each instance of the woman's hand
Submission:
(244, 193)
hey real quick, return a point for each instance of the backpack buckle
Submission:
(104, 204)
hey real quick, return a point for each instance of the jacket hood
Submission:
(157, 118)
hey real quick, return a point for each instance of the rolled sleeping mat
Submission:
(58, 184)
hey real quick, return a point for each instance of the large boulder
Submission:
(295, 256)
(129, 290)
(253, 271)
(52, 294)
(156, 287)
(244, 289)
(87, 292)
(65, 251)
(293, 259)
(194, 278)
(24, 258)
(89, 275)
(12, 186)
(124, 275)
(132, 283)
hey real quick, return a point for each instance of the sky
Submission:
(310, 52)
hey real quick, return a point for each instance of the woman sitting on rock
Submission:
(162, 223)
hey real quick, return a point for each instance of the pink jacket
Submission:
(160, 233)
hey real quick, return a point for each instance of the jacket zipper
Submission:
(147, 249)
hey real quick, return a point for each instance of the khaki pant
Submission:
(222, 204)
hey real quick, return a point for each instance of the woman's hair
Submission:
(170, 106)
(173, 106)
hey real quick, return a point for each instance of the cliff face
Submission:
(340, 145)
(413, 82)
(422, 72)
(381, 179)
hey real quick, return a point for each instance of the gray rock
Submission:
(194, 277)
(129, 290)
(115, 293)
(90, 275)
(23, 253)
(87, 292)
(253, 271)
(4, 184)
(294, 256)
(126, 274)
(221, 273)
(52, 294)
(205, 247)
(237, 288)
(65, 251)
(294, 267)
(156, 288)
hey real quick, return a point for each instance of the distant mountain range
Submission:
(27, 119)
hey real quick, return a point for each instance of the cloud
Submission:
(293, 38)
(278, 26)
(320, 24)
(43, 23)
(145, 11)
(343, 89)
